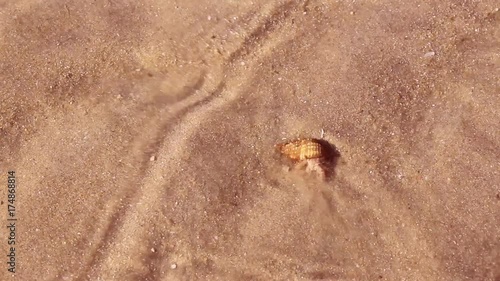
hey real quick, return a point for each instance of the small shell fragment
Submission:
(301, 149)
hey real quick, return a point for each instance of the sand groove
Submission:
(169, 141)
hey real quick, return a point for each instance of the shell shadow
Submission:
(330, 158)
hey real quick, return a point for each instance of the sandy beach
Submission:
(142, 139)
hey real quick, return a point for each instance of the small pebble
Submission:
(152, 158)
(173, 266)
(429, 54)
(153, 250)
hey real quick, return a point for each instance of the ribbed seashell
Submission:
(301, 149)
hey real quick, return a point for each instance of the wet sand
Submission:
(142, 136)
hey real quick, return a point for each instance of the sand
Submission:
(142, 138)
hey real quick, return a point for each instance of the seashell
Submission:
(302, 149)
